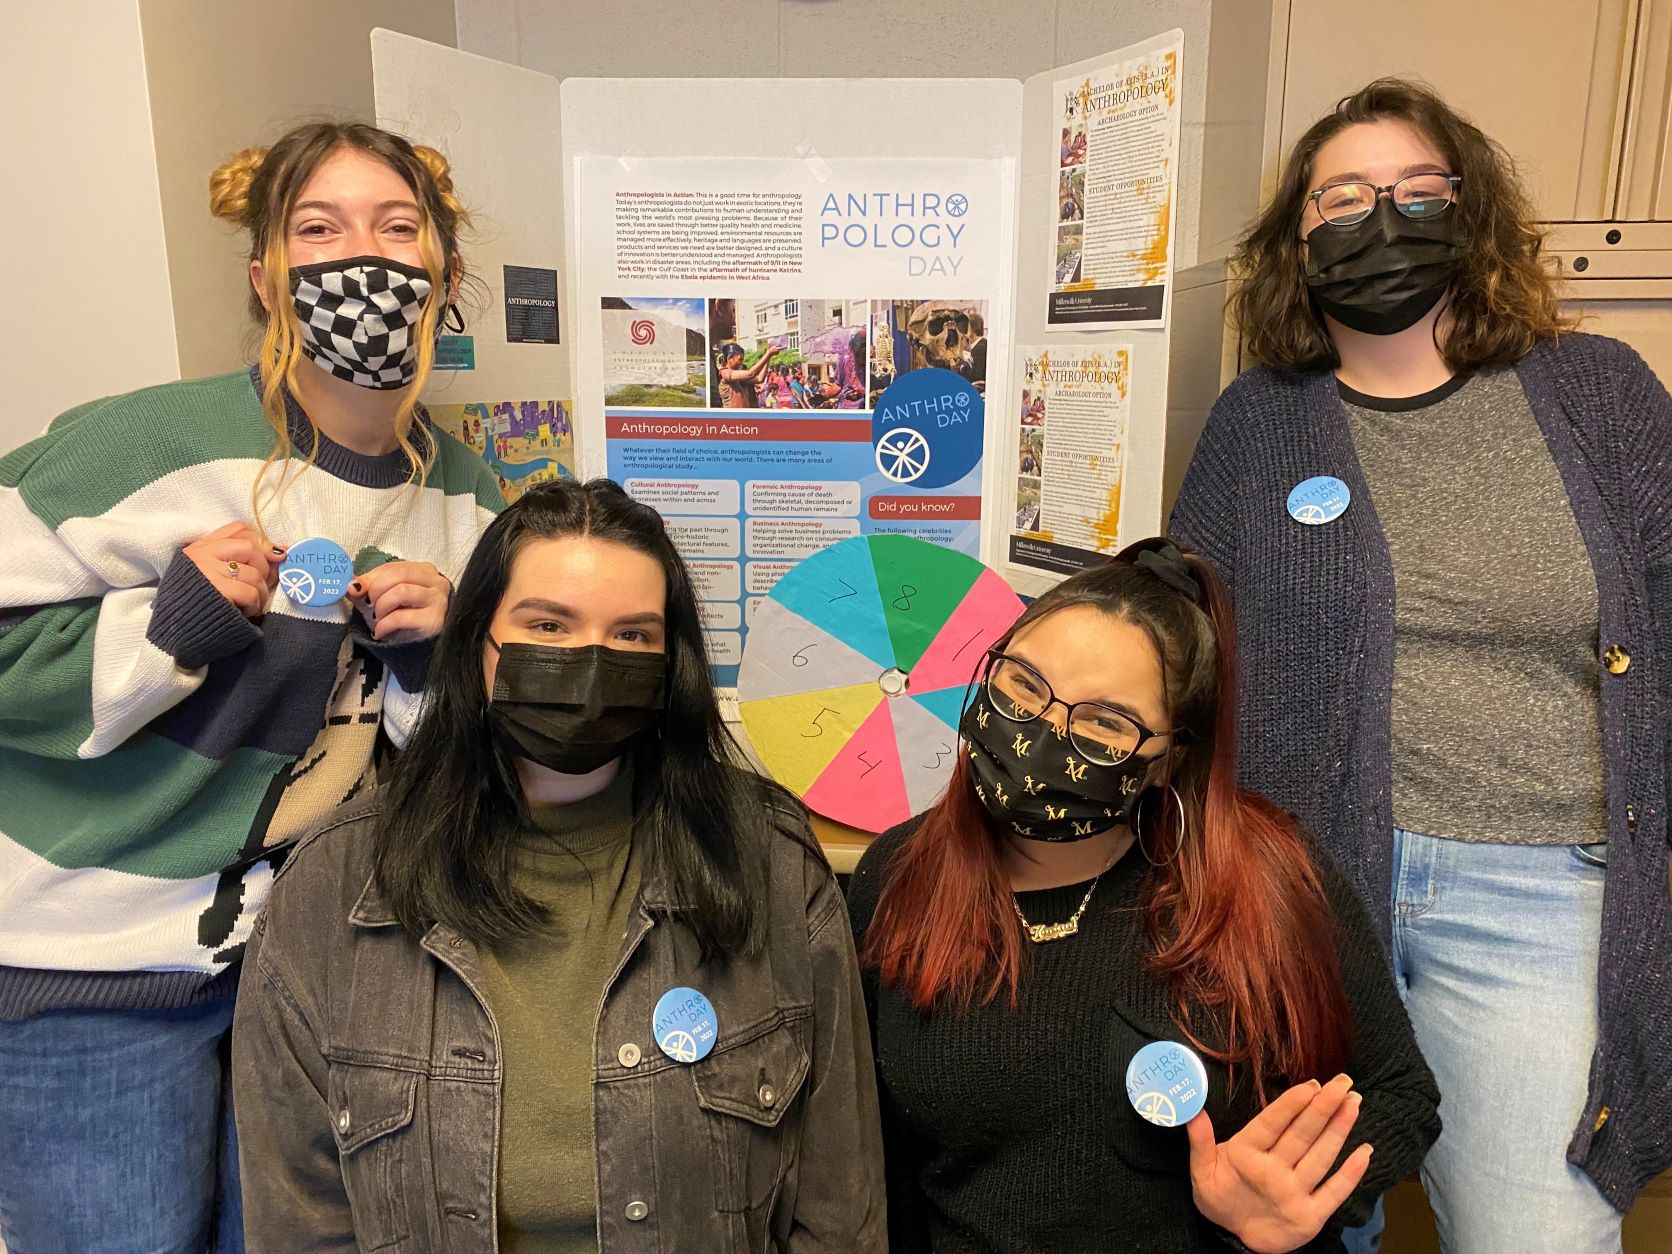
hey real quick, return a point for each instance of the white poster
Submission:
(1113, 198)
(785, 354)
(1070, 426)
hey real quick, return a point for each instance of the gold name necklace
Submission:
(1040, 933)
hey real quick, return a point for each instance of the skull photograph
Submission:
(913, 335)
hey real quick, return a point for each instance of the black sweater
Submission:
(1009, 1132)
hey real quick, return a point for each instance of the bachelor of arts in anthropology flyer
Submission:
(1115, 190)
(1071, 424)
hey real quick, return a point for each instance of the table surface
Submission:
(841, 844)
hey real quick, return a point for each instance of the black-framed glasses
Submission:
(1101, 734)
(1417, 196)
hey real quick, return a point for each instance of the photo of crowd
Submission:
(787, 354)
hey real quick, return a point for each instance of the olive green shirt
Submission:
(545, 992)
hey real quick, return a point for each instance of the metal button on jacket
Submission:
(768, 1095)
(628, 1055)
(1616, 659)
(342, 1120)
(637, 1211)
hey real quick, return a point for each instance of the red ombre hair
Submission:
(1235, 912)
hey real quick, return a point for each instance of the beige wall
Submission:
(226, 76)
(86, 311)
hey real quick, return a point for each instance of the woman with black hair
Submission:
(573, 975)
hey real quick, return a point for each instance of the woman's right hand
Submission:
(238, 565)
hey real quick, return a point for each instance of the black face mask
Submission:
(573, 710)
(1035, 783)
(1385, 273)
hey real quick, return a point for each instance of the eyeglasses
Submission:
(1101, 734)
(1417, 196)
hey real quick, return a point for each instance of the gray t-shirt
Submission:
(1496, 725)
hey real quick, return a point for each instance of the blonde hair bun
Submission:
(442, 173)
(229, 185)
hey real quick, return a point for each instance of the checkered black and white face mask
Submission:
(359, 316)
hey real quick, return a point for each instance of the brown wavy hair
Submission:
(1503, 300)
(256, 189)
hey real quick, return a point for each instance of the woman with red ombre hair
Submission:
(1093, 882)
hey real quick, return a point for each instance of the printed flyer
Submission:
(1115, 191)
(1071, 436)
(789, 354)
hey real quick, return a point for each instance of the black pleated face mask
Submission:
(573, 710)
(1383, 274)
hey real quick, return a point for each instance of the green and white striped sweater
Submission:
(156, 747)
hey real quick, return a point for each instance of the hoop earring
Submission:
(452, 318)
(1178, 842)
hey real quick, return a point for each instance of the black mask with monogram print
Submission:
(1032, 780)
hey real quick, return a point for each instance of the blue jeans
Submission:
(116, 1133)
(1495, 950)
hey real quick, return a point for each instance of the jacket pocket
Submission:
(371, 1109)
(745, 1091)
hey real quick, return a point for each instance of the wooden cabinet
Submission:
(1580, 91)
(1645, 187)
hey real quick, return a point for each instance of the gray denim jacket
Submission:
(366, 1076)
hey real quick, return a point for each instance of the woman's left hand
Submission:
(1266, 1184)
(402, 602)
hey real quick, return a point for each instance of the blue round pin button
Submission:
(1166, 1083)
(1321, 499)
(316, 571)
(685, 1025)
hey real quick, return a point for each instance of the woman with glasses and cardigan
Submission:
(1445, 520)
(1093, 884)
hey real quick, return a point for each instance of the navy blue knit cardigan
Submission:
(1314, 612)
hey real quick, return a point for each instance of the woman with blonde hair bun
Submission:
(217, 599)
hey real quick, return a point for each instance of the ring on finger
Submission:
(232, 569)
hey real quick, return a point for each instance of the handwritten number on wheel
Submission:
(818, 728)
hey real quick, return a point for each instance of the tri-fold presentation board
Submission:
(812, 318)
(792, 311)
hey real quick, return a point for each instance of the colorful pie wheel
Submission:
(856, 670)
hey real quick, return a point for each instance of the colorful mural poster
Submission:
(526, 442)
